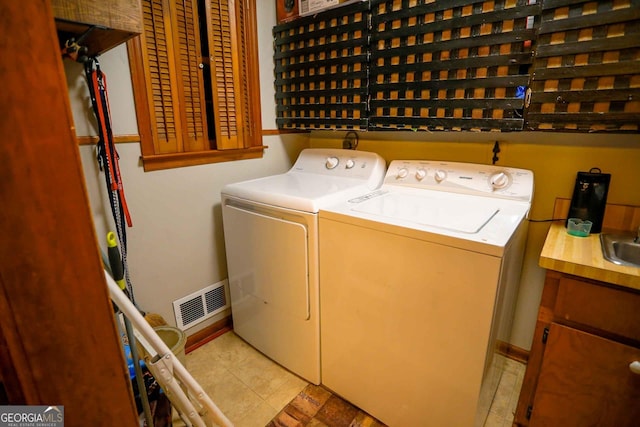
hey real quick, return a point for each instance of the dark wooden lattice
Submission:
(321, 70)
(450, 65)
(586, 74)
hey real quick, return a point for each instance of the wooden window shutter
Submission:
(252, 113)
(195, 79)
(225, 73)
(159, 74)
(190, 87)
(171, 58)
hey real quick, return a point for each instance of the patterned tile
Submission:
(365, 420)
(284, 419)
(337, 413)
(317, 407)
(311, 399)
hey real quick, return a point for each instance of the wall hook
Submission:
(350, 140)
(496, 150)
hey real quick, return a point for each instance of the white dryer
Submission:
(418, 285)
(271, 239)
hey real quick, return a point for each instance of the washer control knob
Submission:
(332, 162)
(350, 164)
(403, 172)
(499, 180)
(420, 174)
(440, 175)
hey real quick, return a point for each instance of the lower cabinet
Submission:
(581, 369)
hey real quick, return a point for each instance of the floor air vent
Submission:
(201, 305)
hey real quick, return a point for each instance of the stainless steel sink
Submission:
(621, 249)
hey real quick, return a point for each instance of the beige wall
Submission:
(176, 245)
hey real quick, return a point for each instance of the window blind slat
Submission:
(224, 60)
(190, 79)
(158, 76)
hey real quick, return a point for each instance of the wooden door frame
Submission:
(58, 340)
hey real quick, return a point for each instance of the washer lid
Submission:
(438, 210)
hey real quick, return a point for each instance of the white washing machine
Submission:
(418, 283)
(271, 239)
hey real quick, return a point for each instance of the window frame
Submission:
(246, 89)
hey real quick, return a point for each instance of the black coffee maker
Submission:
(590, 197)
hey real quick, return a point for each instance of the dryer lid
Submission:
(319, 176)
(303, 192)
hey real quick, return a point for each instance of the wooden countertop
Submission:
(582, 256)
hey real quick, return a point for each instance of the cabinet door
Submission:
(585, 380)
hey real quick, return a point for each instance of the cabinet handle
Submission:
(635, 367)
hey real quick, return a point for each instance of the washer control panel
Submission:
(469, 178)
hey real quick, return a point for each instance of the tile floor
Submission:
(315, 406)
(252, 390)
